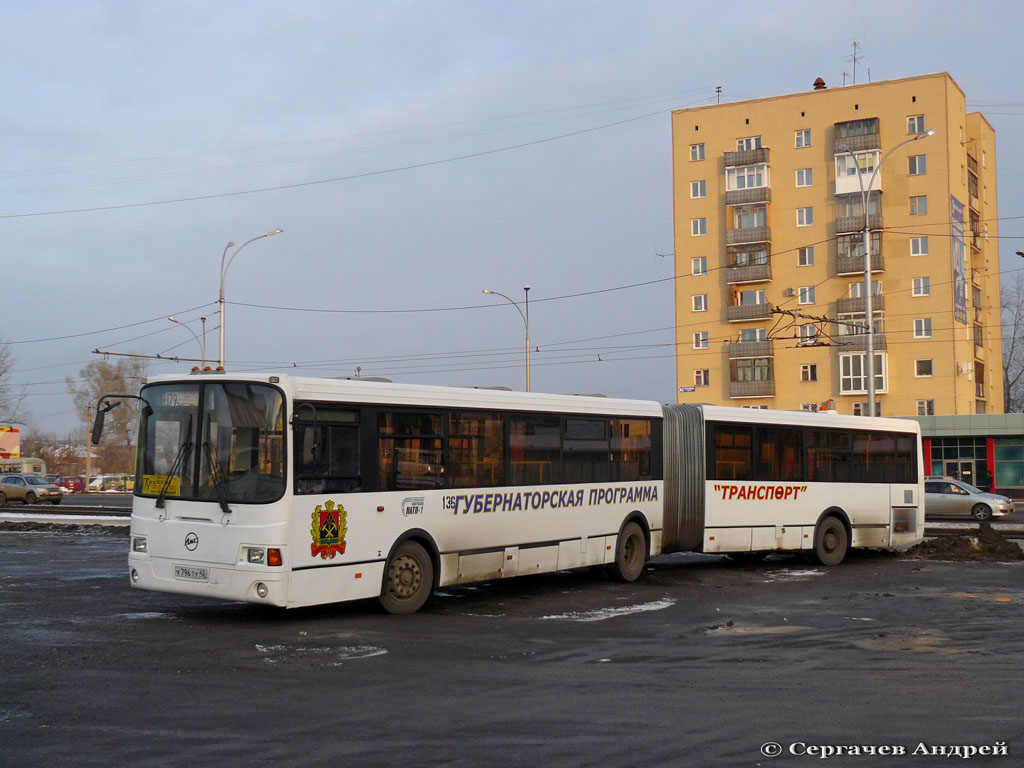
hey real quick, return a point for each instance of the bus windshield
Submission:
(212, 442)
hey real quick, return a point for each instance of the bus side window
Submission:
(411, 451)
(780, 454)
(327, 452)
(535, 450)
(733, 457)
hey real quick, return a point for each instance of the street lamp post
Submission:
(223, 273)
(202, 345)
(869, 346)
(526, 321)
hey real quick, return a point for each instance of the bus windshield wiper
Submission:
(183, 451)
(217, 476)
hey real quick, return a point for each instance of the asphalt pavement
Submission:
(702, 662)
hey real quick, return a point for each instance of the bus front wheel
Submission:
(830, 542)
(630, 553)
(408, 579)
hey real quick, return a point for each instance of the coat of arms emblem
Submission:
(329, 529)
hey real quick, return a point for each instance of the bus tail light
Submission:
(273, 557)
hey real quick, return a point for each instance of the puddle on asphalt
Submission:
(331, 656)
(913, 640)
(611, 613)
(750, 630)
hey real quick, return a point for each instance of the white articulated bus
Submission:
(293, 491)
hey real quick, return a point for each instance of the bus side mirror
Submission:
(101, 414)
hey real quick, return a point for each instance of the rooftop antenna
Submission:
(845, 75)
(855, 58)
(718, 93)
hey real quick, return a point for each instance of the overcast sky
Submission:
(414, 153)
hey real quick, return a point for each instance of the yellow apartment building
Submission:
(769, 250)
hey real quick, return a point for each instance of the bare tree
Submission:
(11, 401)
(99, 378)
(1013, 344)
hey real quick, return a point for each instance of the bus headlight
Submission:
(139, 544)
(256, 556)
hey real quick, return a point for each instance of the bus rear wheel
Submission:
(830, 542)
(408, 579)
(630, 553)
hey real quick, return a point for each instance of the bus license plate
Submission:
(191, 574)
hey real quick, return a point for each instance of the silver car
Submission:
(946, 496)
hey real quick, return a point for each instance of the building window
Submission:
(747, 216)
(806, 294)
(748, 143)
(853, 205)
(698, 226)
(754, 334)
(803, 138)
(915, 124)
(923, 328)
(925, 407)
(747, 255)
(861, 409)
(919, 205)
(922, 286)
(857, 128)
(700, 302)
(918, 165)
(702, 377)
(700, 340)
(746, 177)
(809, 372)
(919, 246)
(750, 298)
(804, 217)
(853, 377)
(699, 265)
(804, 177)
(812, 407)
(980, 407)
(698, 189)
(865, 161)
(808, 334)
(857, 289)
(696, 152)
(751, 369)
(922, 368)
(805, 256)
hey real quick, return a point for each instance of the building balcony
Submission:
(858, 342)
(847, 224)
(748, 235)
(854, 265)
(751, 389)
(738, 349)
(742, 313)
(858, 143)
(747, 157)
(754, 195)
(853, 305)
(748, 273)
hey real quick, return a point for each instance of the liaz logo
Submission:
(412, 506)
(192, 541)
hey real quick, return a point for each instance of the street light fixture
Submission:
(223, 273)
(526, 321)
(869, 346)
(202, 344)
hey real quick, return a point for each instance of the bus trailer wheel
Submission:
(830, 542)
(408, 579)
(630, 554)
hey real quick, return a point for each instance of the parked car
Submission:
(71, 483)
(28, 489)
(946, 496)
